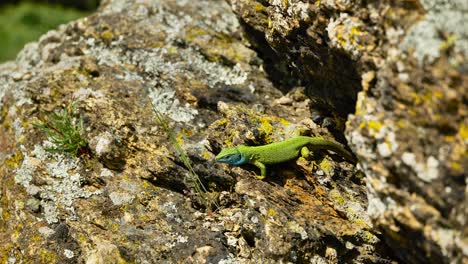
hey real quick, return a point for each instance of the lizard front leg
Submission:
(305, 152)
(262, 168)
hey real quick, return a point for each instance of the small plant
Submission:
(204, 196)
(65, 131)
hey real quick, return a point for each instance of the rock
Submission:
(403, 68)
(153, 79)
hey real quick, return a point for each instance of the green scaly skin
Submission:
(279, 152)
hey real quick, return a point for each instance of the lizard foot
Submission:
(260, 177)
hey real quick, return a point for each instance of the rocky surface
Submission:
(409, 127)
(221, 80)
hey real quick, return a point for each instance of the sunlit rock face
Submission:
(239, 72)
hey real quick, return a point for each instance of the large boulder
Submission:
(408, 122)
(155, 89)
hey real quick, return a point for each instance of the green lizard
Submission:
(279, 152)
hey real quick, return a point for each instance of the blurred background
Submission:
(23, 21)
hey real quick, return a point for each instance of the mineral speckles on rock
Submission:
(102, 145)
(426, 171)
(424, 37)
(165, 102)
(60, 190)
(186, 57)
(347, 33)
(119, 198)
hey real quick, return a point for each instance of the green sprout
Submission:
(203, 195)
(65, 132)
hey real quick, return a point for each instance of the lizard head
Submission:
(231, 156)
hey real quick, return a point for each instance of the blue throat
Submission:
(240, 161)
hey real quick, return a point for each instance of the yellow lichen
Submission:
(326, 166)
(336, 196)
(368, 236)
(428, 96)
(401, 123)
(83, 238)
(284, 122)
(259, 7)
(206, 155)
(36, 238)
(231, 135)
(160, 44)
(271, 212)
(463, 131)
(360, 222)
(341, 39)
(5, 252)
(107, 35)
(47, 256)
(15, 160)
(416, 98)
(456, 166)
(187, 132)
(449, 42)
(7, 124)
(374, 125)
(5, 212)
(269, 23)
(194, 32)
(222, 122)
(180, 138)
(355, 31)
(21, 139)
(449, 138)
(266, 126)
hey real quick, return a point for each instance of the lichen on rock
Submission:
(234, 72)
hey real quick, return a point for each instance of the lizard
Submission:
(279, 152)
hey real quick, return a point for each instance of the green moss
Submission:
(26, 22)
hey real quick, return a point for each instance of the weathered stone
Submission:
(132, 198)
(410, 119)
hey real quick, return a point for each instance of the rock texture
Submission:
(278, 68)
(409, 127)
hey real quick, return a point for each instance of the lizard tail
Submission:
(320, 143)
